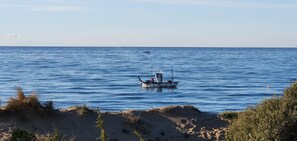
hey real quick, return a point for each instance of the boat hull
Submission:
(159, 85)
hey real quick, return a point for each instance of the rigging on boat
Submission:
(156, 81)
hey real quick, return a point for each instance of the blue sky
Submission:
(191, 23)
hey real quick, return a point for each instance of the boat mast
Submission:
(172, 74)
(151, 71)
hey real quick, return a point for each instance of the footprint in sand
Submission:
(188, 125)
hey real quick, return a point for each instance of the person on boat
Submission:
(152, 79)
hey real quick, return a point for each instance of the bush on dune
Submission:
(83, 110)
(22, 135)
(22, 102)
(272, 119)
(56, 135)
(31, 102)
(229, 116)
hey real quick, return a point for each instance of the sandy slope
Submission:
(172, 123)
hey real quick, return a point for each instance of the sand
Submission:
(170, 123)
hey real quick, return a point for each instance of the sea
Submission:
(211, 79)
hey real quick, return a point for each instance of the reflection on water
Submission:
(160, 90)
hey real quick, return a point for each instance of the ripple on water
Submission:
(213, 79)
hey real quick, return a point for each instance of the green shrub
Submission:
(100, 125)
(55, 136)
(229, 115)
(272, 119)
(22, 135)
(138, 135)
(48, 108)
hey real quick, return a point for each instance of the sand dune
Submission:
(171, 123)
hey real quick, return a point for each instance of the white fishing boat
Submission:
(156, 81)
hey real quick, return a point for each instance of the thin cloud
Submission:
(46, 8)
(13, 35)
(57, 8)
(226, 3)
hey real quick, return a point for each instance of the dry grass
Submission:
(31, 102)
(20, 94)
(83, 110)
(137, 123)
(56, 135)
(131, 118)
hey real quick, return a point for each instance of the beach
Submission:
(171, 123)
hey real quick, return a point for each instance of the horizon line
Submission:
(84, 46)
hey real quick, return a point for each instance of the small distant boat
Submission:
(156, 81)
(147, 51)
(293, 80)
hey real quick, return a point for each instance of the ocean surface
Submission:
(212, 79)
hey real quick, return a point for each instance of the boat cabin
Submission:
(159, 77)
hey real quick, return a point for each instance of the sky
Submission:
(149, 23)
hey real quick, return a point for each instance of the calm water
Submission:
(213, 79)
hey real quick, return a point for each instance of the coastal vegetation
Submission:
(22, 135)
(24, 103)
(56, 135)
(271, 119)
(138, 135)
(83, 110)
(228, 115)
(100, 125)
